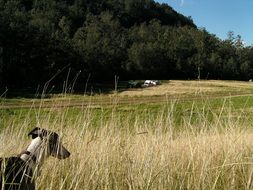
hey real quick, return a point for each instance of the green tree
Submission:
(102, 44)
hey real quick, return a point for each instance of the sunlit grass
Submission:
(134, 152)
(200, 144)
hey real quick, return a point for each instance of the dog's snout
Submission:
(67, 154)
(63, 153)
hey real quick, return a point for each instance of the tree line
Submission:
(51, 40)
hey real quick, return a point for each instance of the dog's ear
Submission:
(37, 132)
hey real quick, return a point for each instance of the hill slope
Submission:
(76, 40)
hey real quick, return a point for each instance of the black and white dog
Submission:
(18, 172)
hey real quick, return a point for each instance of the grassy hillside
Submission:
(180, 135)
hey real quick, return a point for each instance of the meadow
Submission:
(179, 135)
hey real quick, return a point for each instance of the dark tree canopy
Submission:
(133, 39)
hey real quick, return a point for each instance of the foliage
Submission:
(61, 40)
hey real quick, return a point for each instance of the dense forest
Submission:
(51, 40)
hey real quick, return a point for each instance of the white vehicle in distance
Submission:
(148, 83)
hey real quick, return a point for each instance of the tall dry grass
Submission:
(142, 153)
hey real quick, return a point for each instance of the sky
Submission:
(219, 16)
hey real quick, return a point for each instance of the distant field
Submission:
(169, 90)
(179, 135)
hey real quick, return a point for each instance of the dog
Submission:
(19, 172)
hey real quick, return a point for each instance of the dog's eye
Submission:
(34, 136)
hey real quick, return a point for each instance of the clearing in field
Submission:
(180, 135)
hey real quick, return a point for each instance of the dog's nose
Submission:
(68, 154)
(64, 153)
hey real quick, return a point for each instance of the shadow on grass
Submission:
(89, 90)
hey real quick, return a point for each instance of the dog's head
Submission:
(54, 145)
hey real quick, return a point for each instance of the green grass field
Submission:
(180, 135)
